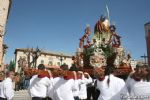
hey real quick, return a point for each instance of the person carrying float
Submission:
(110, 86)
(64, 85)
(39, 84)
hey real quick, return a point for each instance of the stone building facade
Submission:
(49, 59)
(4, 11)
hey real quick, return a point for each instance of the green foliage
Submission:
(88, 52)
(11, 66)
(108, 51)
(73, 68)
(64, 66)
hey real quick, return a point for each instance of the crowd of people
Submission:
(79, 85)
(21, 81)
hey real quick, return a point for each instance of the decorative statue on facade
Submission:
(22, 62)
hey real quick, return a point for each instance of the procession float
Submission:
(104, 49)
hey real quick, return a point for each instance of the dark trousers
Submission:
(48, 98)
(2, 98)
(38, 98)
(76, 98)
(97, 93)
(92, 92)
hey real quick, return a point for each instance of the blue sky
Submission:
(57, 25)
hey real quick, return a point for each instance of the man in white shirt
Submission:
(110, 86)
(140, 75)
(112, 91)
(39, 85)
(7, 90)
(77, 83)
(140, 91)
(132, 79)
(83, 89)
(63, 88)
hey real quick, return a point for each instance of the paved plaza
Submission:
(21, 95)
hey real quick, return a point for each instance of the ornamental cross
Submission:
(144, 57)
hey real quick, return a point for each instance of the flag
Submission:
(107, 12)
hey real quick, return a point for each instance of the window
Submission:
(58, 63)
(42, 61)
(50, 63)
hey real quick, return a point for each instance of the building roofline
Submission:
(10, 3)
(44, 52)
(148, 23)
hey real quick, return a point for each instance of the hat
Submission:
(41, 67)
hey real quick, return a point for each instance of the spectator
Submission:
(7, 90)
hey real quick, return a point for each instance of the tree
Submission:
(11, 66)
(64, 66)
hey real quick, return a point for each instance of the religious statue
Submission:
(102, 32)
(85, 37)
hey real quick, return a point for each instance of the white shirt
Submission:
(63, 89)
(114, 91)
(6, 89)
(130, 83)
(1, 89)
(76, 91)
(51, 90)
(141, 90)
(39, 86)
(83, 88)
(56, 81)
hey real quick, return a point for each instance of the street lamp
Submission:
(61, 58)
(36, 54)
